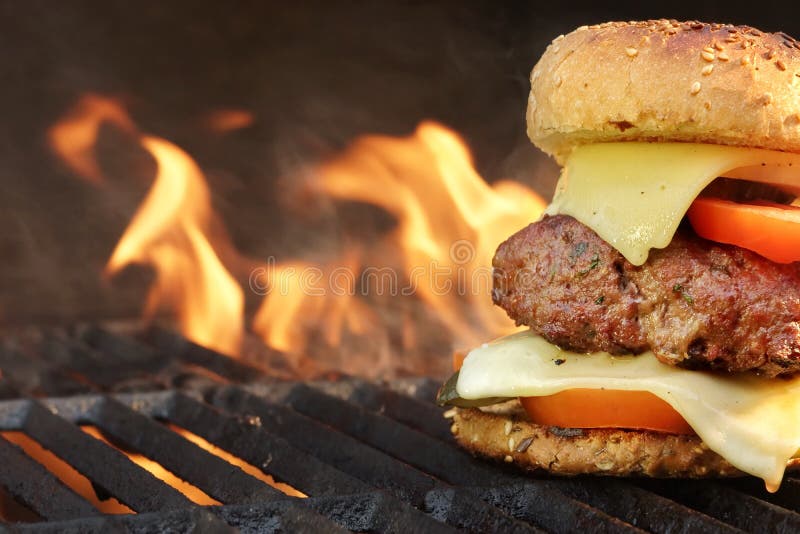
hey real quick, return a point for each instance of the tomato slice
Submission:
(605, 408)
(770, 229)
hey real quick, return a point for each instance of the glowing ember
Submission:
(169, 231)
(75, 135)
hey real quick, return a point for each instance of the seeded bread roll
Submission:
(664, 80)
(504, 433)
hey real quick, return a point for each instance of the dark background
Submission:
(314, 74)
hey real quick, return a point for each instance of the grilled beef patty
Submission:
(696, 303)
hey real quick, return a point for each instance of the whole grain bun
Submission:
(504, 433)
(664, 80)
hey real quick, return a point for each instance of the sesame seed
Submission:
(718, 46)
(707, 70)
(507, 428)
(780, 64)
(557, 80)
(695, 88)
(449, 414)
(707, 105)
(707, 55)
(708, 49)
(770, 54)
(454, 429)
(722, 56)
(508, 459)
(511, 444)
(631, 51)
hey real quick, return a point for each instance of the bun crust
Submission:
(504, 433)
(664, 80)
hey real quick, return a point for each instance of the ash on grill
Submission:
(368, 456)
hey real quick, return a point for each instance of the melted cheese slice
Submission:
(753, 423)
(634, 195)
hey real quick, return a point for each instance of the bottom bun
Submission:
(503, 432)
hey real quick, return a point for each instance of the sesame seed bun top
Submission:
(664, 80)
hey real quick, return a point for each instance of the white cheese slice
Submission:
(635, 194)
(753, 423)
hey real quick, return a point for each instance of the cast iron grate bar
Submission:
(168, 342)
(218, 478)
(606, 503)
(104, 466)
(551, 509)
(33, 486)
(332, 447)
(423, 416)
(371, 457)
(411, 446)
(731, 506)
(195, 520)
(245, 438)
(635, 505)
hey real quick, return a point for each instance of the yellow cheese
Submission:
(753, 423)
(635, 194)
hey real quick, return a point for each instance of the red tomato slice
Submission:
(605, 408)
(767, 228)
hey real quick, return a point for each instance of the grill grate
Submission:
(369, 456)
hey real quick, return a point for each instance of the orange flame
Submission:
(449, 223)
(75, 135)
(169, 231)
(228, 120)
(437, 259)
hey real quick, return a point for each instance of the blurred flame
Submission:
(169, 231)
(228, 120)
(75, 135)
(449, 223)
(300, 290)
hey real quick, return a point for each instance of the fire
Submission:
(423, 289)
(170, 231)
(75, 136)
(449, 223)
(228, 120)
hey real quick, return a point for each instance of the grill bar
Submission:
(223, 481)
(423, 416)
(371, 457)
(106, 467)
(195, 520)
(334, 448)
(35, 487)
(246, 439)
(732, 506)
(420, 450)
(460, 508)
(638, 506)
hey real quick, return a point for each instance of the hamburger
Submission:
(661, 288)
